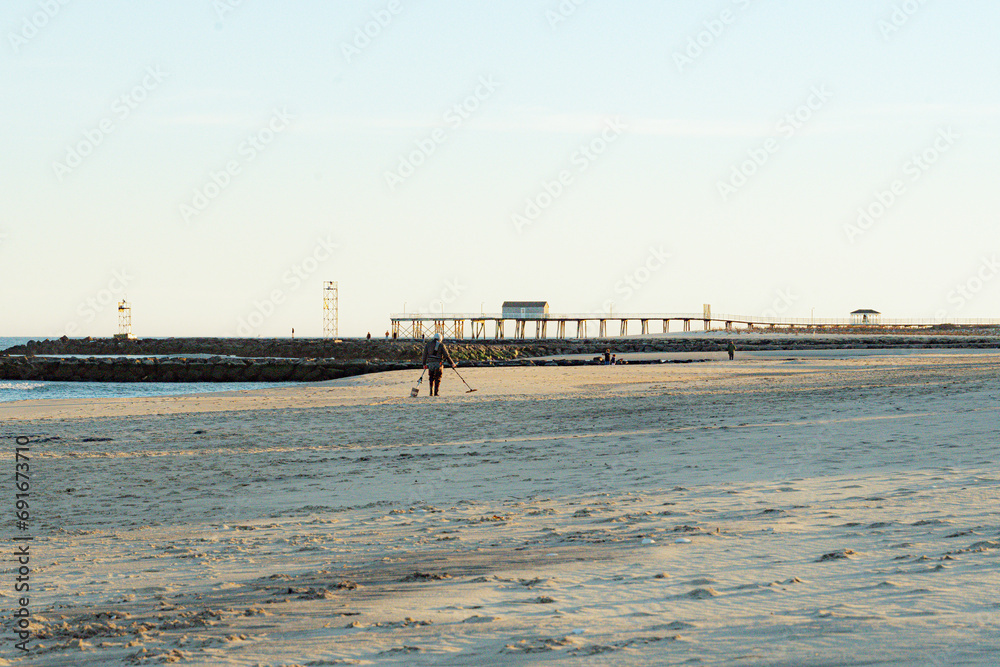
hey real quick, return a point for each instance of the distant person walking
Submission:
(731, 349)
(607, 357)
(435, 354)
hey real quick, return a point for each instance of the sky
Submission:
(216, 162)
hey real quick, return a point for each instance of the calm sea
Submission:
(10, 342)
(18, 390)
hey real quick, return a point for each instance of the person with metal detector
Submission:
(435, 354)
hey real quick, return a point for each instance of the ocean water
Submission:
(11, 342)
(27, 390)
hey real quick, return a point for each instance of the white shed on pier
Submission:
(525, 310)
(865, 316)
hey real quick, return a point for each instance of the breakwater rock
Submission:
(379, 350)
(181, 369)
(314, 360)
(221, 369)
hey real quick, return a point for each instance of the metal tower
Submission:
(124, 320)
(331, 305)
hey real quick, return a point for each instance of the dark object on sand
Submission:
(416, 390)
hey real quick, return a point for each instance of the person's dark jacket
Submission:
(434, 353)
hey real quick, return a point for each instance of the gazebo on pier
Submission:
(866, 317)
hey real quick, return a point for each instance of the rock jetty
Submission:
(313, 360)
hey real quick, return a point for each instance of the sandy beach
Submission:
(781, 509)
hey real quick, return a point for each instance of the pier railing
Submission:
(418, 325)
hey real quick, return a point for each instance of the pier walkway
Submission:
(581, 325)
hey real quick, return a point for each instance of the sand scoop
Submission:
(416, 390)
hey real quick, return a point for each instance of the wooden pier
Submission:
(453, 325)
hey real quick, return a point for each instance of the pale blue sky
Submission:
(787, 239)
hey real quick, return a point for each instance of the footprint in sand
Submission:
(703, 581)
(700, 593)
(537, 645)
(424, 576)
(674, 625)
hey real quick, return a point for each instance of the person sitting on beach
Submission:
(435, 353)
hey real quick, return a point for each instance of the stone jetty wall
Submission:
(311, 360)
